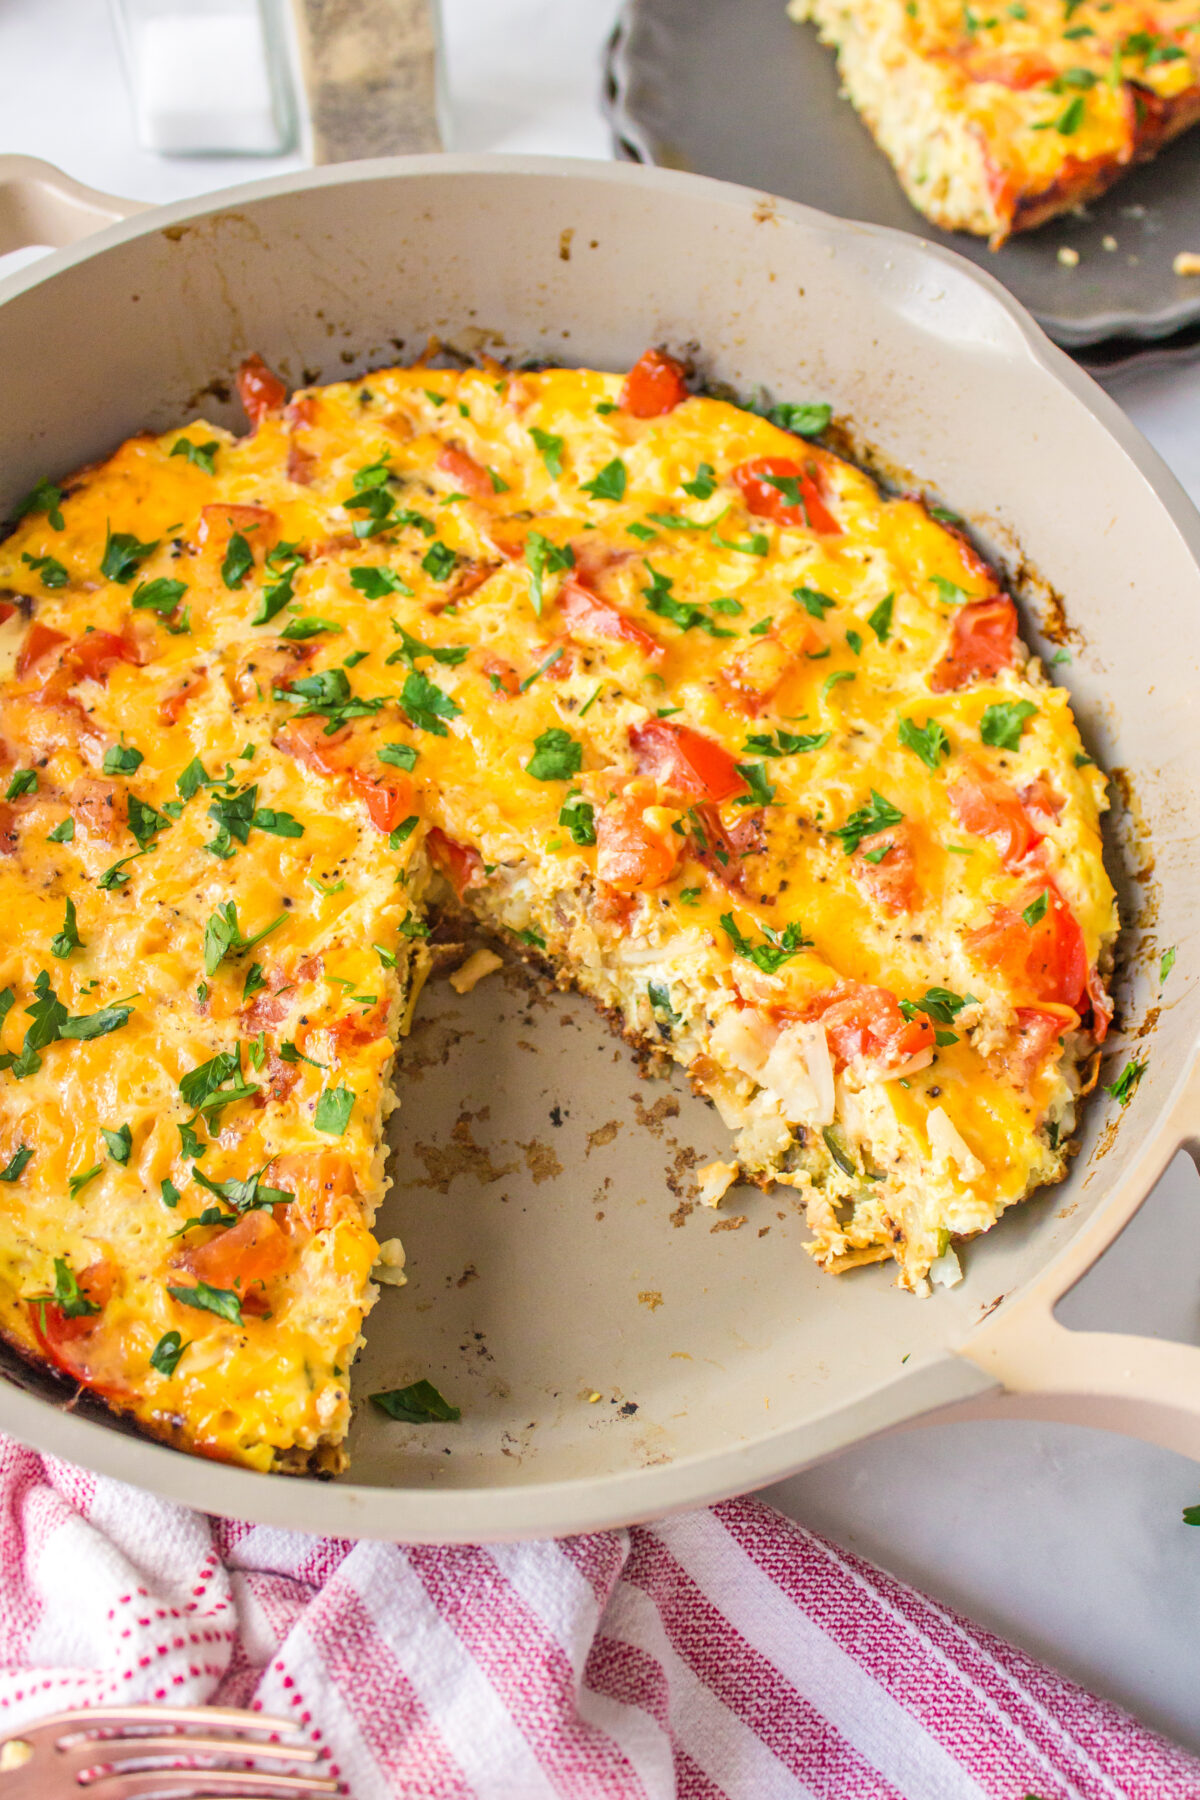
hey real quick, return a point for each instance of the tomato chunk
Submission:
(767, 501)
(171, 706)
(260, 391)
(861, 1020)
(466, 473)
(97, 652)
(1102, 1006)
(257, 524)
(884, 866)
(987, 807)
(502, 677)
(655, 385)
(99, 804)
(7, 609)
(306, 740)
(582, 610)
(630, 854)
(1036, 1036)
(8, 830)
(1018, 69)
(1043, 961)
(387, 798)
(459, 863)
(55, 1328)
(982, 642)
(685, 761)
(39, 641)
(254, 1250)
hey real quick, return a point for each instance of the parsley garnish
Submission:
(144, 822)
(203, 1089)
(880, 620)
(16, 1163)
(333, 1110)
(120, 1142)
(779, 948)
(411, 648)
(660, 600)
(24, 781)
(425, 704)
(785, 743)
(544, 558)
(222, 937)
(864, 821)
(401, 756)
(169, 1193)
(221, 1301)
(419, 1404)
(578, 816)
(557, 756)
(805, 419)
(1126, 1083)
(77, 1183)
(328, 694)
(122, 759)
(703, 486)
(272, 600)
(54, 574)
(193, 778)
(122, 555)
(610, 483)
(161, 596)
(68, 1296)
(44, 498)
(551, 449)
(755, 777)
(170, 1347)
(403, 832)
(1035, 912)
(51, 1021)
(813, 601)
(439, 561)
(246, 1195)
(201, 455)
(116, 874)
(949, 591)
(238, 561)
(309, 626)
(378, 583)
(1166, 965)
(928, 741)
(1002, 723)
(68, 938)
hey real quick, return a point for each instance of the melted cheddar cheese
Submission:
(997, 117)
(655, 689)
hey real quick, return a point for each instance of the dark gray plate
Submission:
(733, 88)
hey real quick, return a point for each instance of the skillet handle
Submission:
(1144, 1387)
(41, 205)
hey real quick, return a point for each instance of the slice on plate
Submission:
(997, 118)
(661, 693)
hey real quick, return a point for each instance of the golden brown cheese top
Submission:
(524, 634)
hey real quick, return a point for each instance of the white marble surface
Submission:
(1067, 1540)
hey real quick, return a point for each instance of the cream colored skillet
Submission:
(614, 1357)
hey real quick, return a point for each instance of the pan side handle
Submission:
(41, 205)
(1143, 1387)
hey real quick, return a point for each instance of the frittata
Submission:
(657, 690)
(997, 117)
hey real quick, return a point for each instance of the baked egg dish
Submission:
(997, 118)
(653, 689)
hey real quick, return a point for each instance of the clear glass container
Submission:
(207, 77)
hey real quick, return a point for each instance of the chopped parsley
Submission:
(550, 448)
(684, 613)
(44, 498)
(1125, 1086)
(68, 1296)
(403, 832)
(120, 1142)
(238, 561)
(117, 874)
(333, 1110)
(272, 600)
(426, 705)
(942, 1006)
(170, 1347)
(16, 1163)
(544, 558)
(609, 483)
(122, 759)
(328, 694)
(161, 596)
(1002, 723)
(222, 937)
(755, 777)
(51, 1021)
(703, 485)
(24, 781)
(815, 603)
(193, 778)
(785, 743)
(834, 676)
(202, 455)
(246, 1195)
(77, 1183)
(54, 574)
(68, 938)
(439, 561)
(211, 1086)
(123, 555)
(878, 815)
(144, 821)
(1035, 912)
(169, 1193)
(411, 648)
(1166, 965)
(949, 591)
(401, 756)
(880, 620)
(221, 1301)
(418, 1404)
(557, 756)
(308, 625)
(928, 741)
(378, 583)
(806, 419)
(779, 948)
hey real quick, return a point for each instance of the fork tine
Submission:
(74, 1755)
(208, 1784)
(96, 1718)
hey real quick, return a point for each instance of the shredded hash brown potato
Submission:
(659, 691)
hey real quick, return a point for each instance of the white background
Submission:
(1066, 1540)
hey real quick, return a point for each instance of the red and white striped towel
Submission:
(724, 1653)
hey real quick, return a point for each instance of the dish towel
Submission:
(722, 1653)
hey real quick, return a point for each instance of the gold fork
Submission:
(124, 1752)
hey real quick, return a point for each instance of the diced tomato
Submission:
(684, 761)
(260, 391)
(1044, 961)
(1102, 1006)
(502, 677)
(1036, 1035)
(723, 849)
(756, 672)
(39, 641)
(584, 611)
(466, 473)
(302, 409)
(459, 863)
(891, 881)
(8, 830)
(1041, 803)
(257, 524)
(99, 804)
(655, 385)
(630, 854)
(982, 642)
(7, 609)
(361, 1027)
(323, 1183)
(170, 707)
(281, 1076)
(866, 1021)
(300, 464)
(387, 798)
(305, 739)
(270, 665)
(263, 1012)
(242, 1255)
(987, 807)
(94, 654)
(1019, 69)
(766, 501)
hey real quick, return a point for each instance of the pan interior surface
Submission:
(550, 1258)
